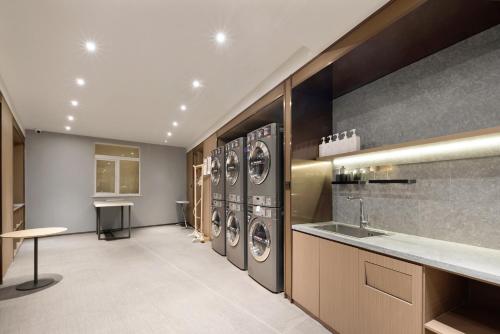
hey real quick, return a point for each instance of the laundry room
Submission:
(277, 166)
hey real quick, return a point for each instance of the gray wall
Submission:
(60, 181)
(455, 90)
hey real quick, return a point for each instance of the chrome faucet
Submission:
(363, 222)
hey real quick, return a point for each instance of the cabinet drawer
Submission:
(390, 295)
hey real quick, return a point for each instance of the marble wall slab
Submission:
(454, 90)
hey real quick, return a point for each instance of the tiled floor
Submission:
(156, 282)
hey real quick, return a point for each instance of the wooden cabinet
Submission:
(390, 295)
(305, 271)
(354, 291)
(338, 286)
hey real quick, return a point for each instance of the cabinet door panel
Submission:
(305, 271)
(390, 295)
(339, 286)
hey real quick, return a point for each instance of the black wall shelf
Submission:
(349, 182)
(400, 181)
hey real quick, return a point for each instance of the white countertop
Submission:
(105, 204)
(471, 261)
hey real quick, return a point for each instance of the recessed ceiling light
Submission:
(183, 107)
(67, 127)
(174, 123)
(74, 103)
(80, 81)
(196, 83)
(165, 141)
(90, 46)
(169, 134)
(220, 37)
(70, 118)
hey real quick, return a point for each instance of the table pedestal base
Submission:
(31, 285)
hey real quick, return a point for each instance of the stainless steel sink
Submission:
(351, 231)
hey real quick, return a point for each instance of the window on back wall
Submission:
(117, 170)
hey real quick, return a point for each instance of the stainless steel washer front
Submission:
(236, 234)
(265, 246)
(259, 162)
(233, 229)
(215, 171)
(216, 223)
(232, 168)
(259, 240)
(217, 174)
(218, 228)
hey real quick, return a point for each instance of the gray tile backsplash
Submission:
(454, 90)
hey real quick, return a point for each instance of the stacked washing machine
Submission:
(217, 177)
(265, 223)
(236, 198)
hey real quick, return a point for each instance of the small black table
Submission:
(112, 204)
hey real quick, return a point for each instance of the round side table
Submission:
(34, 233)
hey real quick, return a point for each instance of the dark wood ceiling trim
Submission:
(370, 27)
(265, 100)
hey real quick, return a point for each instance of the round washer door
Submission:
(232, 229)
(215, 171)
(259, 240)
(259, 162)
(216, 223)
(232, 168)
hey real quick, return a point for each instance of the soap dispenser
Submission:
(322, 147)
(354, 142)
(342, 145)
(328, 147)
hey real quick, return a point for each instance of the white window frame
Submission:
(116, 160)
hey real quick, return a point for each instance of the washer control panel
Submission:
(262, 200)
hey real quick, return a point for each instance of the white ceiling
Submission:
(149, 51)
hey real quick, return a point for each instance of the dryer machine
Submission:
(236, 186)
(236, 170)
(265, 182)
(217, 176)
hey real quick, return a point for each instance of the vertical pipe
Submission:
(35, 280)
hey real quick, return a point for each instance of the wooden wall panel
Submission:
(208, 145)
(19, 173)
(189, 184)
(7, 157)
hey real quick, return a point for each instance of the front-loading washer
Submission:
(218, 229)
(236, 234)
(236, 170)
(265, 247)
(217, 171)
(265, 176)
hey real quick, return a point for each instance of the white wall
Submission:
(60, 181)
